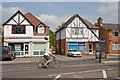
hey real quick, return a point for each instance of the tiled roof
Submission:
(87, 23)
(111, 26)
(35, 21)
(32, 19)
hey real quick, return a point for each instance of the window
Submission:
(116, 46)
(18, 29)
(17, 47)
(75, 31)
(41, 29)
(116, 32)
(81, 31)
(77, 46)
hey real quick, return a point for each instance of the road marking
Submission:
(104, 74)
(76, 76)
(79, 72)
(58, 76)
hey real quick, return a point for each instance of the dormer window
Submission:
(41, 29)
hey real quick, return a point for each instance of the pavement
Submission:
(88, 58)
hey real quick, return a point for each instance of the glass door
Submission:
(90, 48)
(26, 49)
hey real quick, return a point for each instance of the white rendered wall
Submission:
(63, 33)
(8, 31)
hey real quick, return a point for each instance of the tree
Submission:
(52, 38)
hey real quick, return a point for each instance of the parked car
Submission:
(8, 53)
(72, 53)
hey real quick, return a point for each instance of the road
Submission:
(69, 69)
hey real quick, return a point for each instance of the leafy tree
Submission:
(52, 38)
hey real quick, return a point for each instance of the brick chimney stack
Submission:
(100, 22)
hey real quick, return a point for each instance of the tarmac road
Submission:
(71, 68)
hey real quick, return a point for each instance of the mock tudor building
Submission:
(77, 34)
(111, 34)
(28, 35)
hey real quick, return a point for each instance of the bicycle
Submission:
(54, 63)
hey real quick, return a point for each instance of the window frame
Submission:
(114, 32)
(15, 27)
(41, 26)
(115, 46)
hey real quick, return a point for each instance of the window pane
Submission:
(119, 47)
(21, 29)
(81, 31)
(76, 31)
(40, 29)
(72, 31)
(116, 33)
(113, 46)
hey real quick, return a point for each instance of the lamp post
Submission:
(100, 54)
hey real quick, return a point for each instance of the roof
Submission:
(87, 23)
(35, 21)
(108, 26)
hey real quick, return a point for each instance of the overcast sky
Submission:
(54, 13)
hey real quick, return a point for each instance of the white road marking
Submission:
(79, 72)
(104, 74)
(58, 76)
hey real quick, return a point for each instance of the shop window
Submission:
(77, 46)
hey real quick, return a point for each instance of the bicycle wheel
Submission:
(56, 63)
(41, 63)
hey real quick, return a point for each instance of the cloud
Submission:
(109, 12)
(10, 10)
(7, 12)
(51, 20)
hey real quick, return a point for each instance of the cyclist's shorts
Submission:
(46, 57)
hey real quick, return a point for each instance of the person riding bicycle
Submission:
(48, 55)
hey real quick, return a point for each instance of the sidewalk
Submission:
(111, 58)
(88, 58)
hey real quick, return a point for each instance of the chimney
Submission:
(100, 22)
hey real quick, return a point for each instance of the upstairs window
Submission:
(77, 31)
(41, 29)
(81, 31)
(18, 29)
(116, 33)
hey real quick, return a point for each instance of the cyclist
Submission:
(47, 56)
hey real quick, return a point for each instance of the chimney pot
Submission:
(100, 21)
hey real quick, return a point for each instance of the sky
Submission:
(55, 13)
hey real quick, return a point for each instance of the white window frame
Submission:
(39, 29)
(114, 31)
(115, 46)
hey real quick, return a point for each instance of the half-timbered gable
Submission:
(18, 25)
